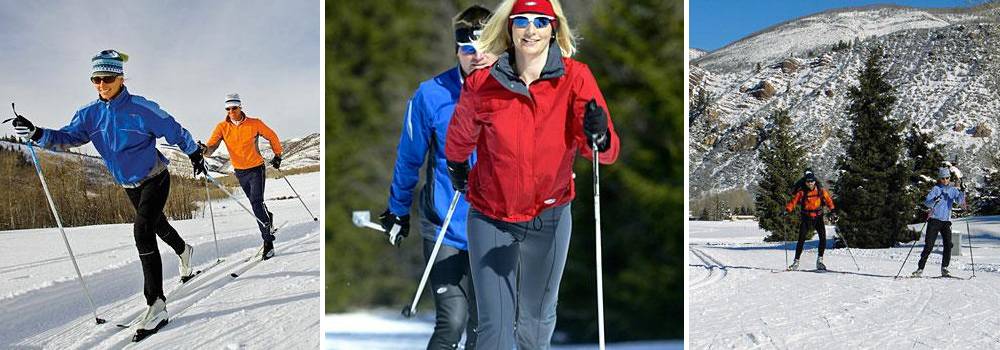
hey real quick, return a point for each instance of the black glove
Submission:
(25, 129)
(595, 126)
(198, 161)
(390, 221)
(459, 174)
(276, 162)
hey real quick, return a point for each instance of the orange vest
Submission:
(241, 141)
(812, 201)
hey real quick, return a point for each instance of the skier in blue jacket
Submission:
(423, 136)
(940, 201)
(124, 129)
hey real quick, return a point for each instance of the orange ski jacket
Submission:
(811, 201)
(241, 141)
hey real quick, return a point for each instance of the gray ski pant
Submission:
(516, 268)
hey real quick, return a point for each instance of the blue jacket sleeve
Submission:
(932, 197)
(161, 124)
(958, 195)
(77, 133)
(410, 154)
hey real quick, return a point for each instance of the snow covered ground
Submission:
(387, 330)
(738, 300)
(274, 304)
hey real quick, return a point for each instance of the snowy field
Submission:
(274, 304)
(738, 300)
(388, 330)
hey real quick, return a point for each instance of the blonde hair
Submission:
(496, 35)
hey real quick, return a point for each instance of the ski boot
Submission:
(268, 251)
(151, 322)
(794, 266)
(945, 272)
(184, 264)
(917, 274)
(819, 264)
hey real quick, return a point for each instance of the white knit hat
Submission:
(233, 100)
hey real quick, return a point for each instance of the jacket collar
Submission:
(117, 100)
(505, 73)
(244, 120)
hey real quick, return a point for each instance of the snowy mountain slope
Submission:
(275, 304)
(385, 330)
(799, 36)
(945, 78)
(736, 299)
(694, 53)
(301, 152)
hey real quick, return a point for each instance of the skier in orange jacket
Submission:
(812, 197)
(241, 133)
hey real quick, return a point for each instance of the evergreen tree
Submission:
(923, 159)
(988, 201)
(871, 190)
(783, 160)
(700, 104)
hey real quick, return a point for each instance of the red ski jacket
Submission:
(526, 137)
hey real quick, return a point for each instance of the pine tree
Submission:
(923, 160)
(783, 160)
(988, 201)
(871, 190)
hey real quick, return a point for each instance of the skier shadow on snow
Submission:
(790, 245)
(181, 320)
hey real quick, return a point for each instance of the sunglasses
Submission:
(467, 48)
(232, 108)
(522, 21)
(107, 79)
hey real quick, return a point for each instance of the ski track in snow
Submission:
(743, 299)
(272, 304)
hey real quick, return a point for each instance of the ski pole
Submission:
(914, 241)
(412, 309)
(597, 244)
(968, 229)
(55, 213)
(223, 188)
(785, 243)
(296, 194)
(848, 246)
(211, 213)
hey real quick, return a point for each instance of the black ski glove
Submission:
(459, 174)
(390, 221)
(595, 126)
(25, 129)
(276, 162)
(198, 161)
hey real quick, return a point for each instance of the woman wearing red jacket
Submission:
(527, 117)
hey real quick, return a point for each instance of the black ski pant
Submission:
(454, 296)
(517, 268)
(148, 200)
(252, 182)
(809, 223)
(935, 226)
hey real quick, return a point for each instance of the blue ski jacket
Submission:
(425, 125)
(124, 131)
(948, 196)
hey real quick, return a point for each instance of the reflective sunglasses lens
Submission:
(231, 108)
(105, 79)
(542, 22)
(467, 49)
(520, 22)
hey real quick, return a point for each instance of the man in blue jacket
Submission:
(424, 127)
(124, 128)
(940, 200)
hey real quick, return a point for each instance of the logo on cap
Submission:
(530, 3)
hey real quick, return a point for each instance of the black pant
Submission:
(454, 298)
(252, 182)
(807, 224)
(935, 226)
(148, 200)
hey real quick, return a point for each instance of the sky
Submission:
(715, 23)
(184, 55)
